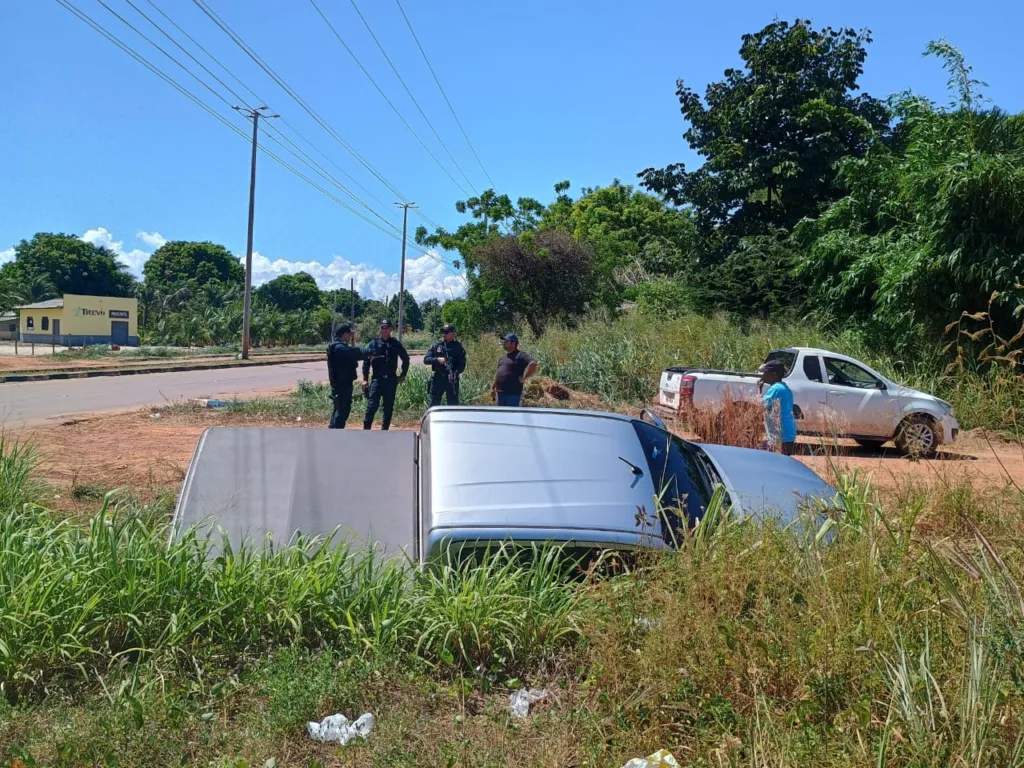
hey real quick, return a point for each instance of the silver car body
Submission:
(473, 475)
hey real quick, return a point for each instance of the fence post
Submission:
(33, 347)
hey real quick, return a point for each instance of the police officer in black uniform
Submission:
(342, 362)
(447, 358)
(382, 356)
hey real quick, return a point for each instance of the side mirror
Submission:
(647, 415)
(880, 385)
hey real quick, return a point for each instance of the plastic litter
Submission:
(660, 759)
(340, 729)
(523, 700)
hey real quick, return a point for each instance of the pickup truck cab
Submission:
(833, 395)
(479, 475)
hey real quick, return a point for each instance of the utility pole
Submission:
(401, 280)
(254, 115)
(352, 298)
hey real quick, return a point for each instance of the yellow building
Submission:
(76, 321)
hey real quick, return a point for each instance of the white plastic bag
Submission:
(660, 759)
(338, 728)
(522, 700)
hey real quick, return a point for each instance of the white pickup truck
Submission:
(833, 395)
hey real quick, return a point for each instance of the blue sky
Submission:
(96, 145)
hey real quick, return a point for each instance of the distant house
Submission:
(8, 326)
(76, 321)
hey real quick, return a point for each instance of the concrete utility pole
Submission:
(254, 115)
(401, 280)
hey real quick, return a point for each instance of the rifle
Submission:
(453, 377)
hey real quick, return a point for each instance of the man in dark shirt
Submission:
(342, 361)
(447, 358)
(382, 356)
(513, 371)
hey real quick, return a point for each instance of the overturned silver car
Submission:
(475, 476)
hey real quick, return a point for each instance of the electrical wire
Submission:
(411, 97)
(213, 113)
(389, 102)
(441, 88)
(251, 53)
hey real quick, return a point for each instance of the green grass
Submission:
(900, 644)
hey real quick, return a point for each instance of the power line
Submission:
(251, 53)
(413, 98)
(213, 113)
(256, 99)
(389, 102)
(441, 88)
(230, 90)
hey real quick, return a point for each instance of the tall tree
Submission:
(291, 292)
(188, 265)
(772, 131)
(59, 264)
(541, 276)
(411, 309)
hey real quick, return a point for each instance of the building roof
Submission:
(48, 304)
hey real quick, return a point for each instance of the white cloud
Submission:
(134, 258)
(7, 255)
(425, 277)
(153, 239)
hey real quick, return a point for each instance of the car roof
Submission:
(523, 415)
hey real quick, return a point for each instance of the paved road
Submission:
(33, 403)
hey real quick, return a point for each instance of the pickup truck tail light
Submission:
(686, 388)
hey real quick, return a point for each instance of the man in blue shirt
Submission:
(779, 422)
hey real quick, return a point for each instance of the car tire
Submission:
(918, 437)
(871, 445)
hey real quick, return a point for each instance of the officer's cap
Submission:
(385, 323)
(447, 328)
(510, 337)
(342, 330)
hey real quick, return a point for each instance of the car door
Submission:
(809, 394)
(858, 400)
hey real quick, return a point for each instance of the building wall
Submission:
(84, 320)
(31, 323)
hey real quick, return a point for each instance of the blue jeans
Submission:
(510, 399)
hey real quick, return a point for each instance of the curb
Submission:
(91, 374)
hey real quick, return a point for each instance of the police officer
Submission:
(342, 361)
(447, 358)
(382, 356)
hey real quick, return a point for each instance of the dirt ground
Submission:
(148, 455)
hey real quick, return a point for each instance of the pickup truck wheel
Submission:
(917, 437)
(871, 445)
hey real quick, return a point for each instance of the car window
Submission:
(785, 356)
(812, 368)
(843, 373)
(675, 474)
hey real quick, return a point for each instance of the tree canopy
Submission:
(291, 292)
(772, 131)
(184, 265)
(51, 265)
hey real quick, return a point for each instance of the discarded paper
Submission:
(338, 728)
(523, 700)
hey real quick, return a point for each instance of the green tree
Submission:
(411, 310)
(629, 232)
(291, 292)
(431, 311)
(772, 131)
(57, 264)
(541, 276)
(931, 230)
(183, 265)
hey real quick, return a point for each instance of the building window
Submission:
(30, 322)
(46, 323)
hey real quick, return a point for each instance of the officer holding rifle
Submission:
(447, 359)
